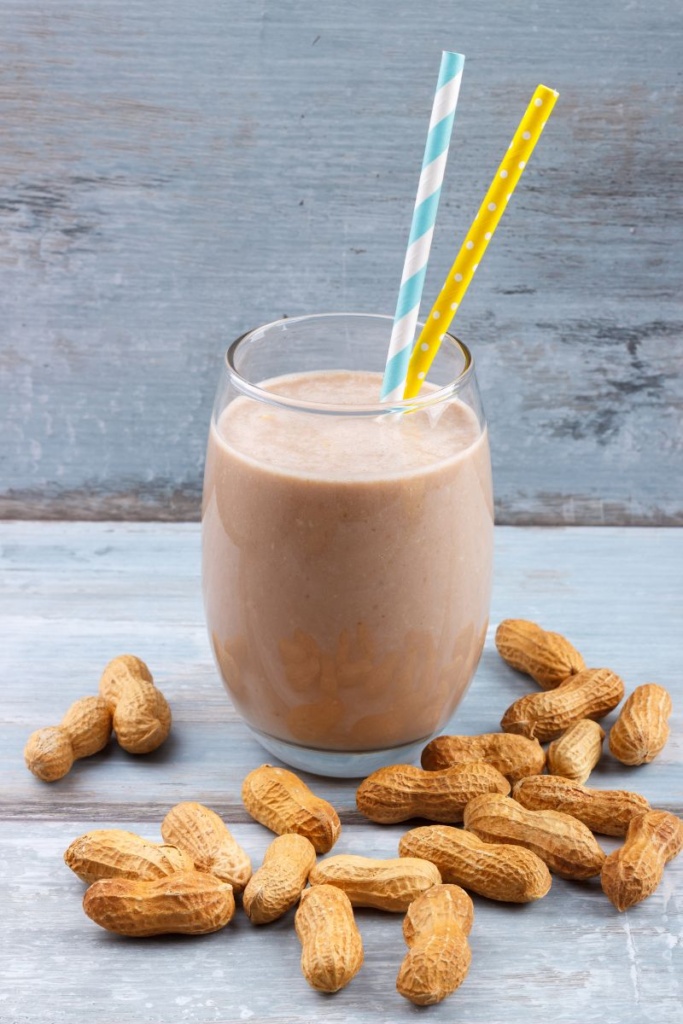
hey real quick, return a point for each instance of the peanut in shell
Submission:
(547, 657)
(642, 729)
(435, 928)
(390, 884)
(514, 756)
(184, 903)
(592, 693)
(608, 811)
(576, 752)
(498, 871)
(402, 791)
(566, 845)
(633, 872)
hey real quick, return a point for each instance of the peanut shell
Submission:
(510, 874)
(114, 853)
(562, 841)
(184, 903)
(633, 872)
(403, 791)
(608, 811)
(278, 799)
(141, 715)
(384, 884)
(332, 947)
(588, 694)
(576, 752)
(204, 836)
(514, 756)
(641, 730)
(435, 928)
(85, 730)
(277, 885)
(548, 658)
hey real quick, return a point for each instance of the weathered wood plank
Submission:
(168, 180)
(71, 595)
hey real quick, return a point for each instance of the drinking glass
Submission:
(347, 544)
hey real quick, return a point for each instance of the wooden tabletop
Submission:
(74, 595)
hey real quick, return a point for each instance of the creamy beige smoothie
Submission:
(347, 563)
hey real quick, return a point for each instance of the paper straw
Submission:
(479, 236)
(422, 227)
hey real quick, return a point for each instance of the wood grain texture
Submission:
(73, 595)
(171, 176)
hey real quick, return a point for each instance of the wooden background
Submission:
(172, 174)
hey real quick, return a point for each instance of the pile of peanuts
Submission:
(519, 826)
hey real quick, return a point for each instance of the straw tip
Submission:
(453, 61)
(549, 90)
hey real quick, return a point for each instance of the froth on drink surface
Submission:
(341, 446)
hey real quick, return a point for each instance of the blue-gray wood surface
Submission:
(172, 174)
(74, 595)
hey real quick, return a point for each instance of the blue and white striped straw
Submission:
(422, 228)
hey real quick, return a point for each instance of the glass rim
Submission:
(255, 391)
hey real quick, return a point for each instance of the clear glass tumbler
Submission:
(347, 544)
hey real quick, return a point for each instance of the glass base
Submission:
(339, 764)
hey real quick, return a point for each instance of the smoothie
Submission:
(347, 562)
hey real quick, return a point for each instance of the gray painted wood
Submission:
(74, 595)
(171, 175)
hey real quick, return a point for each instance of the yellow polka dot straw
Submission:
(478, 237)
